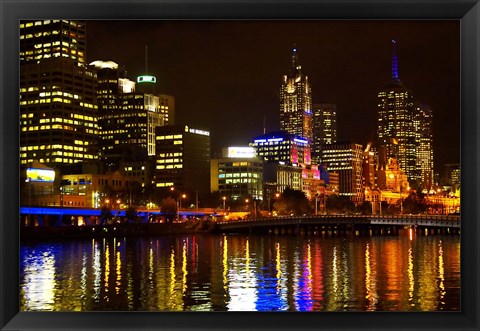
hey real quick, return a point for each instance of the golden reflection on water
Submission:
(225, 263)
(243, 273)
(107, 270)
(370, 277)
(441, 272)
(184, 268)
(411, 277)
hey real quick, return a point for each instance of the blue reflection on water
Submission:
(270, 297)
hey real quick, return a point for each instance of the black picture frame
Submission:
(466, 11)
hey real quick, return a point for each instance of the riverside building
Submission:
(238, 174)
(182, 158)
(346, 159)
(58, 110)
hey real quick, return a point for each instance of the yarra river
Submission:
(240, 272)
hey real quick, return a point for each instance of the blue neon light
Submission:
(300, 141)
(275, 139)
(91, 212)
(394, 61)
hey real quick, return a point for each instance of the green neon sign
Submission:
(146, 79)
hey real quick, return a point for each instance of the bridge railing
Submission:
(343, 216)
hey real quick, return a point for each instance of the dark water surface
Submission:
(239, 272)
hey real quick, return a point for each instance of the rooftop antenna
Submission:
(294, 56)
(394, 60)
(146, 59)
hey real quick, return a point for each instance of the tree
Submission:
(365, 208)
(292, 202)
(414, 204)
(169, 207)
(131, 214)
(339, 204)
(105, 215)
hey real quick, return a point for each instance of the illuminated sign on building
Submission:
(302, 141)
(146, 79)
(241, 152)
(196, 131)
(40, 175)
(268, 140)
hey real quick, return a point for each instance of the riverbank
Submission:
(114, 230)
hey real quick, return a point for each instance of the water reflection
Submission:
(256, 273)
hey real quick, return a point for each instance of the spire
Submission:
(394, 61)
(294, 57)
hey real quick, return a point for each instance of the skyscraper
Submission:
(422, 121)
(44, 39)
(346, 159)
(58, 110)
(128, 115)
(396, 132)
(324, 128)
(296, 101)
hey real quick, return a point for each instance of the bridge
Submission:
(53, 215)
(361, 223)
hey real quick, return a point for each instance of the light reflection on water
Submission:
(242, 273)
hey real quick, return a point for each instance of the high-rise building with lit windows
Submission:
(282, 147)
(58, 108)
(238, 174)
(128, 115)
(346, 159)
(182, 158)
(44, 39)
(324, 128)
(296, 101)
(396, 132)
(422, 120)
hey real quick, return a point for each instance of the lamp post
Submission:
(224, 198)
(269, 197)
(182, 197)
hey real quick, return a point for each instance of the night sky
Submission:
(226, 75)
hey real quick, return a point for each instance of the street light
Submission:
(224, 198)
(269, 197)
(182, 197)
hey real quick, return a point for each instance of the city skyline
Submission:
(248, 84)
